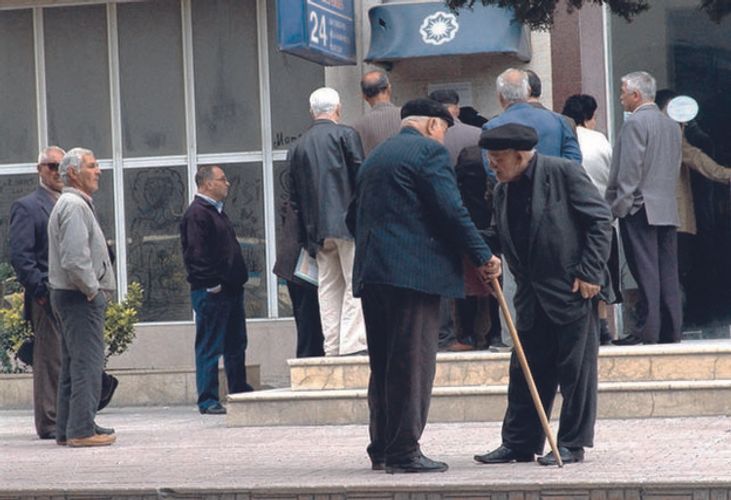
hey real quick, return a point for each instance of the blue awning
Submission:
(405, 30)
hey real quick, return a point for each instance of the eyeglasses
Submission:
(220, 179)
(53, 165)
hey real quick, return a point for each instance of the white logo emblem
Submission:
(439, 28)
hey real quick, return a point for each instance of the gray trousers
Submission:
(82, 361)
(46, 367)
(652, 256)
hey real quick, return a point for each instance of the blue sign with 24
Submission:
(322, 31)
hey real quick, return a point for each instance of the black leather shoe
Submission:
(504, 455)
(109, 385)
(419, 463)
(568, 456)
(378, 465)
(630, 340)
(215, 409)
(48, 435)
(98, 429)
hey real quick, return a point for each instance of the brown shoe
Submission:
(94, 440)
(458, 346)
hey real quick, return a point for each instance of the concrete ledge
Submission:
(568, 491)
(476, 404)
(689, 361)
(136, 388)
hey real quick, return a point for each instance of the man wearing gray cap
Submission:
(81, 279)
(554, 230)
(411, 230)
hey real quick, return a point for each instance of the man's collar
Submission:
(529, 172)
(55, 194)
(644, 105)
(88, 199)
(521, 103)
(218, 205)
(383, 104)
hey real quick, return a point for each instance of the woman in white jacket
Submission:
(597, 160)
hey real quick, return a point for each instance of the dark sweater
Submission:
(211, 252)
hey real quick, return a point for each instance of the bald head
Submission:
(375, 87)
(512, 87)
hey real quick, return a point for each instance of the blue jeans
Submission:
(220, 330)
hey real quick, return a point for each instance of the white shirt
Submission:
(597, 156)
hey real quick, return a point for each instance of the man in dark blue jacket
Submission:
(29, 256)
(555, 137)
(411, 230)
(216, 273)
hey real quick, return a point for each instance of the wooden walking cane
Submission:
(526, 370)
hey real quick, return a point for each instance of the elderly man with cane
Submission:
(554, 231)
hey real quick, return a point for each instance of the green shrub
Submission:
(119, 323)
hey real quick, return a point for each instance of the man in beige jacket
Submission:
(81, 279)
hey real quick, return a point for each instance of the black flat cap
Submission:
(445, 96)
(426, 107)
(509, 136)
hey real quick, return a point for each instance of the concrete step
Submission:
(136, 388)
(701, 360)
(476, 403)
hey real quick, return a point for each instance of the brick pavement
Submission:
(175, 453)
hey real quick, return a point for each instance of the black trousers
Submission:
(402, 328)
(652, 257)
(306, 308)
(559, 356)
(478, 318)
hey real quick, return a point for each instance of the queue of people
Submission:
(406, 219)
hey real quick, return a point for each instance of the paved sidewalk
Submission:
(175, 449)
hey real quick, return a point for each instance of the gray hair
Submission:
(416, 119)
(43, 155)
(73, 159)
(324, 100)
(512, 85)
(641, 82)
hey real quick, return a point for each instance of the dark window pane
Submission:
(226, 76)
(292, 80)
(281, 194)
(77, 78)
(245, 208)
(151, 78)
(155, 200)
(19, 134)
(12, 187)
(104, 205)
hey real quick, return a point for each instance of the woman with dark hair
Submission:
(595, 148)
(597, 160)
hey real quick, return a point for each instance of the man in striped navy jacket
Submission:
(411, 231)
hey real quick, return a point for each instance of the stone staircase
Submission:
(688, 379)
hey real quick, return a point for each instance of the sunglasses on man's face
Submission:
(51, 164)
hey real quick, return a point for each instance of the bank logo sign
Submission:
(439, 28)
